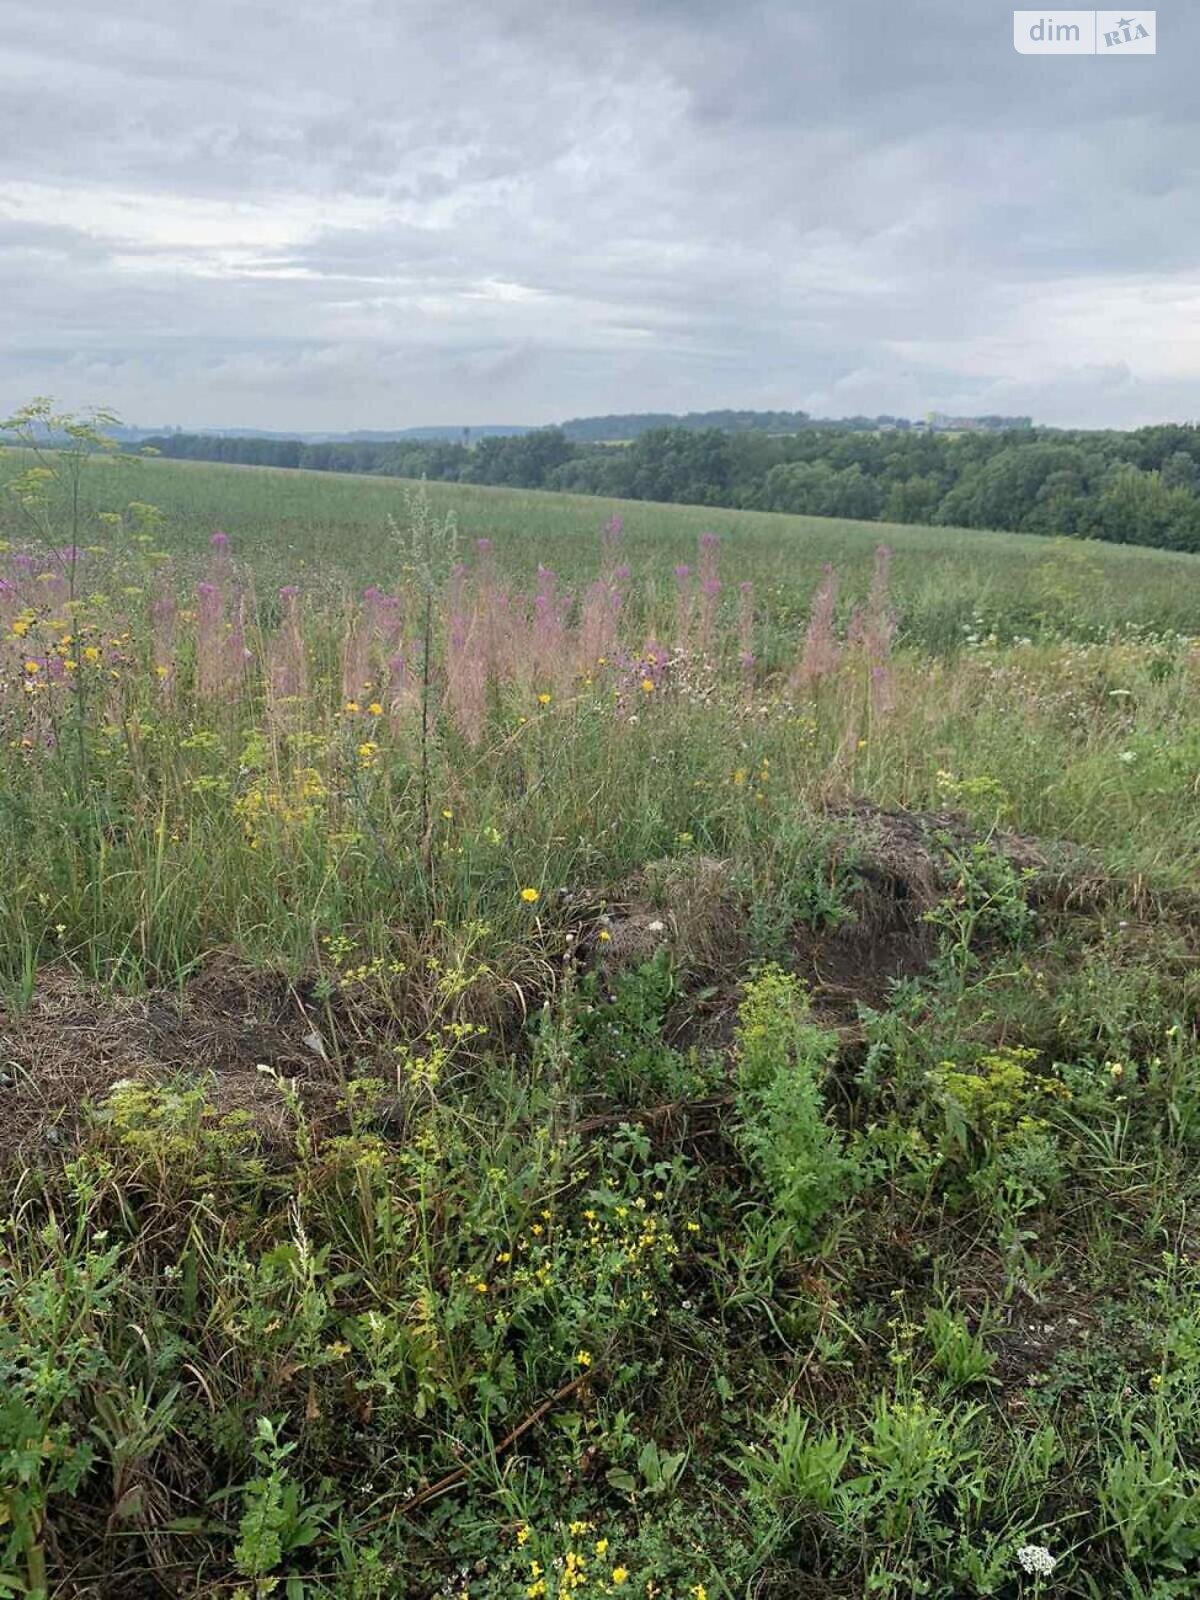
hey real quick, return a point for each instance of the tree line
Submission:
(1140, 487)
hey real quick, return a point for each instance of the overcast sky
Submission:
(371, 213)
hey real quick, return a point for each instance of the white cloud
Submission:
(385, 213)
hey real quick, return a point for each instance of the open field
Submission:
(318, 527)
(617, 1061)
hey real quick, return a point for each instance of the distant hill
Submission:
(452, 432)
(614, 428)
(632, 424)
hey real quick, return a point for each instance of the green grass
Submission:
(594, 1148)
(294, 525)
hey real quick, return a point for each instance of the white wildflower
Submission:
(1037, 1560)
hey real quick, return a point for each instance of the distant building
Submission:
(939, 422)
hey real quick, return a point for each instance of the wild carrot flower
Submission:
(1037, 1560)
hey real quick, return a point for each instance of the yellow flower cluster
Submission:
(264, 803)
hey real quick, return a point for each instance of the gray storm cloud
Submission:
(376, 215)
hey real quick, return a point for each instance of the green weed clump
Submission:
(782, 1058)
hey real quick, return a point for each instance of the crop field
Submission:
(560, 1048)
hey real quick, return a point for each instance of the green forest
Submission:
(1138, 487)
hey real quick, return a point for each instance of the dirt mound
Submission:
(907, 852)
(75, 1040)
(894, 866)
(689, 902)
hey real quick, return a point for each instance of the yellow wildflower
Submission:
(531, 896)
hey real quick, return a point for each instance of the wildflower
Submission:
(531, 896)
(583, 1357)
(90, 653)
(619, 1575)
(523, 1533)
(604, 936)
(33, 666)
(544, 699)
(375, 709)
(481, 1287)
(647, 685)
(1037, 1560)
(601, 1547)
(350, 707)
(447, 814)
(739, 777)
(698, 1592)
